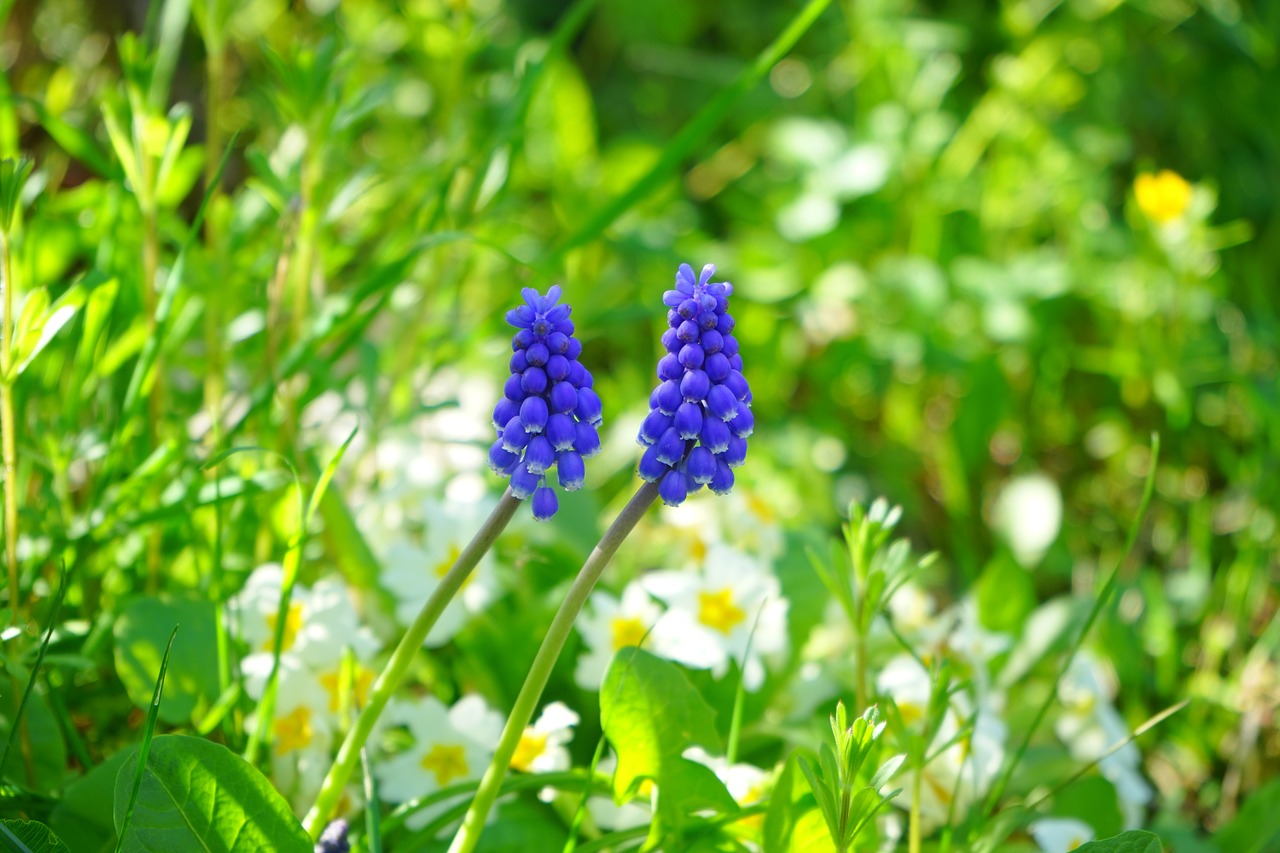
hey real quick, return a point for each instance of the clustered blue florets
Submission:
(700, 413)
(334, 838)
(548, 415)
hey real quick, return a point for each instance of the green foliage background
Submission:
(973, 295)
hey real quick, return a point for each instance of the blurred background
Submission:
(981, 252)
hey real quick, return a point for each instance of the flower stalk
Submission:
(540, 671)
(393, 675)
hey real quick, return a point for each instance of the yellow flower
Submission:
(717, 610)
(446, 763)
(1164, 196)
(293, 731)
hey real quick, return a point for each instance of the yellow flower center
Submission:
(911, 713)
(332, 683)
(1164, 196)
(627, 631)
(293, 731)
(446, 763)
(760, 509)
(292, 624)
(1074, 843)
(698, 549)
(451, 556)
(717, 610)
(942, 792)
(531, 747)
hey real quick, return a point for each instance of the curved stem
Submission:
(398, 666)
(540, 671)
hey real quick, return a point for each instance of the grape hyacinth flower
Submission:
(700, 413)
(549, 415)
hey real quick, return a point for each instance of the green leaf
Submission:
(13, 174)
(83, 817)
(48, 748)
(198, 795)
(33, 837)
(1125, 842)
(1091, 799)
(780, 819)
(141, 633)
(651, 714)
(1006, 595)
(1255, 829)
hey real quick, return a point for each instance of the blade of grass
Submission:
(172, 27)
(1104, 595)
(694, 132)
(1147, 726)
(292, 560)
(560, 779)
(575, 823)
(148, 732)
(35, 670)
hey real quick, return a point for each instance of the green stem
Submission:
(540, 671)
(398, 666)
(913, 831)
(7, 426)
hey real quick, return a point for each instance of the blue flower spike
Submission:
(700, 412)
(549, 415)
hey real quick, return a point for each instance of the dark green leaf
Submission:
(199, 796)
(31, 837)
(141, 633)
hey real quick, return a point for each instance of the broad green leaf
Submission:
(35, 836)
(651, 714)
(83, 817)
(48, 749)
(1125, 842)
(1255, 829)
(197, 795)
(141, 634)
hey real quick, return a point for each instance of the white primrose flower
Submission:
(320, 623)
(731, 610)
(911, 608)
(608, 624)
(301, 736)
(543, 746)
(1090, 725)
(1028, 515)
(450, 745)
(962, 773)
(413, 567)
(741, 518)
(746, 783)
(1061, 834)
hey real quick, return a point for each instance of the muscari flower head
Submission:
(549, 414)
(334, 838)
(700, 413)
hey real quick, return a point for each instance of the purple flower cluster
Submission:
(700, 413)
(548, 415)
(334, 838)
